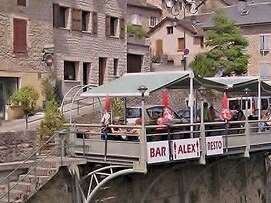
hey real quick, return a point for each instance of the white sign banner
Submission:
(214, 145)
(158, 152)
(186, 148)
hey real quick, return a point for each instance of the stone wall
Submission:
(16, 146)
(226, 180)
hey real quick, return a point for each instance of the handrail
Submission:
(27, 159)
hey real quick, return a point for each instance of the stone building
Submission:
(141, 17)
(254, 20)
(90, 41)
(170, 39)
(26, 31)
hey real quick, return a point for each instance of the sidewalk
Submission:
(34, 121)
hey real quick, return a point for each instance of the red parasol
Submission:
(165, 98)
(107, 104)
(225, 112)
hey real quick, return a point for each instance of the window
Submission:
(102, 68)
(19, 35)
(264, 42)
(170, 30)
(136, 19)
(153, 21)
(60, 16)
(69, 70)
(198, 41)
(85, 20)
(115, 27)
(21, 3)
(115, 70)
(181, 44)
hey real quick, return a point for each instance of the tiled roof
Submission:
(186, 24)
(142, 4)
(256, 14)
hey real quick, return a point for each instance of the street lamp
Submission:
(143, 140)
(176, 6)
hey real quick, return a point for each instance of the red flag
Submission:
(165, 98)
(225, 112)
(107, 104)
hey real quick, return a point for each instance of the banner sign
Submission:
(214, 145)
(158, 152)
(186, 148)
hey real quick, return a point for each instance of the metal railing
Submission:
(33, 158)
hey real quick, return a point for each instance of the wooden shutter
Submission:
(19, 35)
(107, 26)
(122, 28)
(56, 15)
(181, 45)
(76, 20)
(94, 23)
(159, 47)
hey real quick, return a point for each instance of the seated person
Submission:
(136, 131)
(266, 123)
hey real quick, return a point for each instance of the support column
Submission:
(191, 102)
(259, 99)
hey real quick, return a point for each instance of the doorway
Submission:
(86, 75)
(134, 63)
(102, 67)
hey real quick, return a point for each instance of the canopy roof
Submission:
(128, 84)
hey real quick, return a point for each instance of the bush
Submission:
(53, 120)
(26, 98)
(137, 31)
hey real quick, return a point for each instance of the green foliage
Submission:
(117, 106)
(53, 120)
(26, 97)
(47, 89)
(137, 31)
(226, 50)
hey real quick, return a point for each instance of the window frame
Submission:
(180, 49)
(264, 42)
(153, 21)
(66, 76)
(170, 30)
(85, 21)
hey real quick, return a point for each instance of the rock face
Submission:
(16, 146)
(226, 180)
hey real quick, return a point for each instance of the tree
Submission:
(27, 98)
(53, 120)
(226, 54)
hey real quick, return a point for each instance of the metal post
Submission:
(247, 133)
(191, 102)
(143, 140)
(78, 109)
(8, 190)
(202, 137)
(84, 145)
(259, 99)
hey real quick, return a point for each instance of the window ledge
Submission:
(71, 81)
(180, 50)
(87, 32)
(64, 28)
(113, 37)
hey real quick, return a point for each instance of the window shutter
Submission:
(19, 36)
(266, 42)
(181, 45)
(76, 20)
(261, 42)
(94, 23)
(56, 15)
(122, 28)
(107, 26)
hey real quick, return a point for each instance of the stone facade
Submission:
(260, 61)
(87, 47)
(18, 70)
(169, 43)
